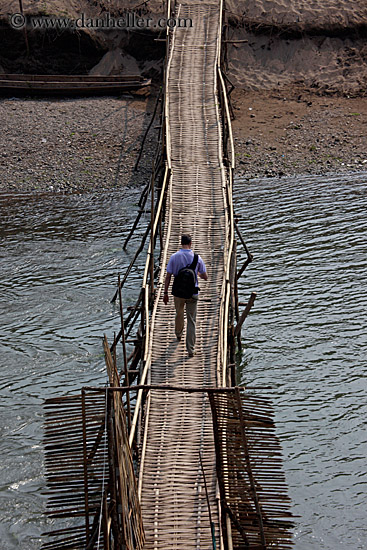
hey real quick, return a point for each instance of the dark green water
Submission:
(305, 337)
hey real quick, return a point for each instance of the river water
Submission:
(304, 338)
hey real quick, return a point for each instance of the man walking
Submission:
(185, 266)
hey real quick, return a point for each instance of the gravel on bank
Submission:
(68, 145)
(91, 144)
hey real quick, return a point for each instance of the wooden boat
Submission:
(25, 84)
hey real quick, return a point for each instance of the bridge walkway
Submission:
(178, 425)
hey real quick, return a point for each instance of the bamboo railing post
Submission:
(114, 352)
(112, 472)
(233, 312)
(143, 330)
(246, 311)
(219, 467)
(127, 382)
(152, 237)
(85, 469)
(212, 526)
(105, 527)
(249, 469)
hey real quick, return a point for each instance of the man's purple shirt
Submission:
(183, 258)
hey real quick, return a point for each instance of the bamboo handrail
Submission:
(230, 241)
(167, 178)
(226, 106)
(146, 355)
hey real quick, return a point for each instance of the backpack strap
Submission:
(194, 262)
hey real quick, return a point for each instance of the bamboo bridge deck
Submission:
(178, 426)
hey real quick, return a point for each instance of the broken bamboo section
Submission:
(103, 506)
(249, 468)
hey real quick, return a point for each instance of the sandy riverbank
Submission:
(91, 144)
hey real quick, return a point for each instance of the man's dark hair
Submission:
(185, 239)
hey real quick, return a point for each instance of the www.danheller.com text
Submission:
(130, 20)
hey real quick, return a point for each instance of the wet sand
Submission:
(294, 131)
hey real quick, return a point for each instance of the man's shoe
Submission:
(179, 337)
(191, 354)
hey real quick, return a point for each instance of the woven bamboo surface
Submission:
(178, 426)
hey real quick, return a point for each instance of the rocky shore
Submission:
(91, 144)
(74, 145)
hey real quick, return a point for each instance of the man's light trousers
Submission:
(191, 308)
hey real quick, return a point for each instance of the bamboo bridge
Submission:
(181, 458)
(178, 426)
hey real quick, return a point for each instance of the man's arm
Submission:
(202, 270)
(166, 287)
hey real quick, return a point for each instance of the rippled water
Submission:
(59, 261)
(305, 337)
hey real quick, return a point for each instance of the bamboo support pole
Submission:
(132, 317)
(249, 470)
(112, 470)
(85, 470)
(147, 130)
(241, 271)
(152, 235)
(132, 262)
(114, 356)
(246, 311)
(249, 255)
(127, 382)
(137, 219)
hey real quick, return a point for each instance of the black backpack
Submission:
(184, 282)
